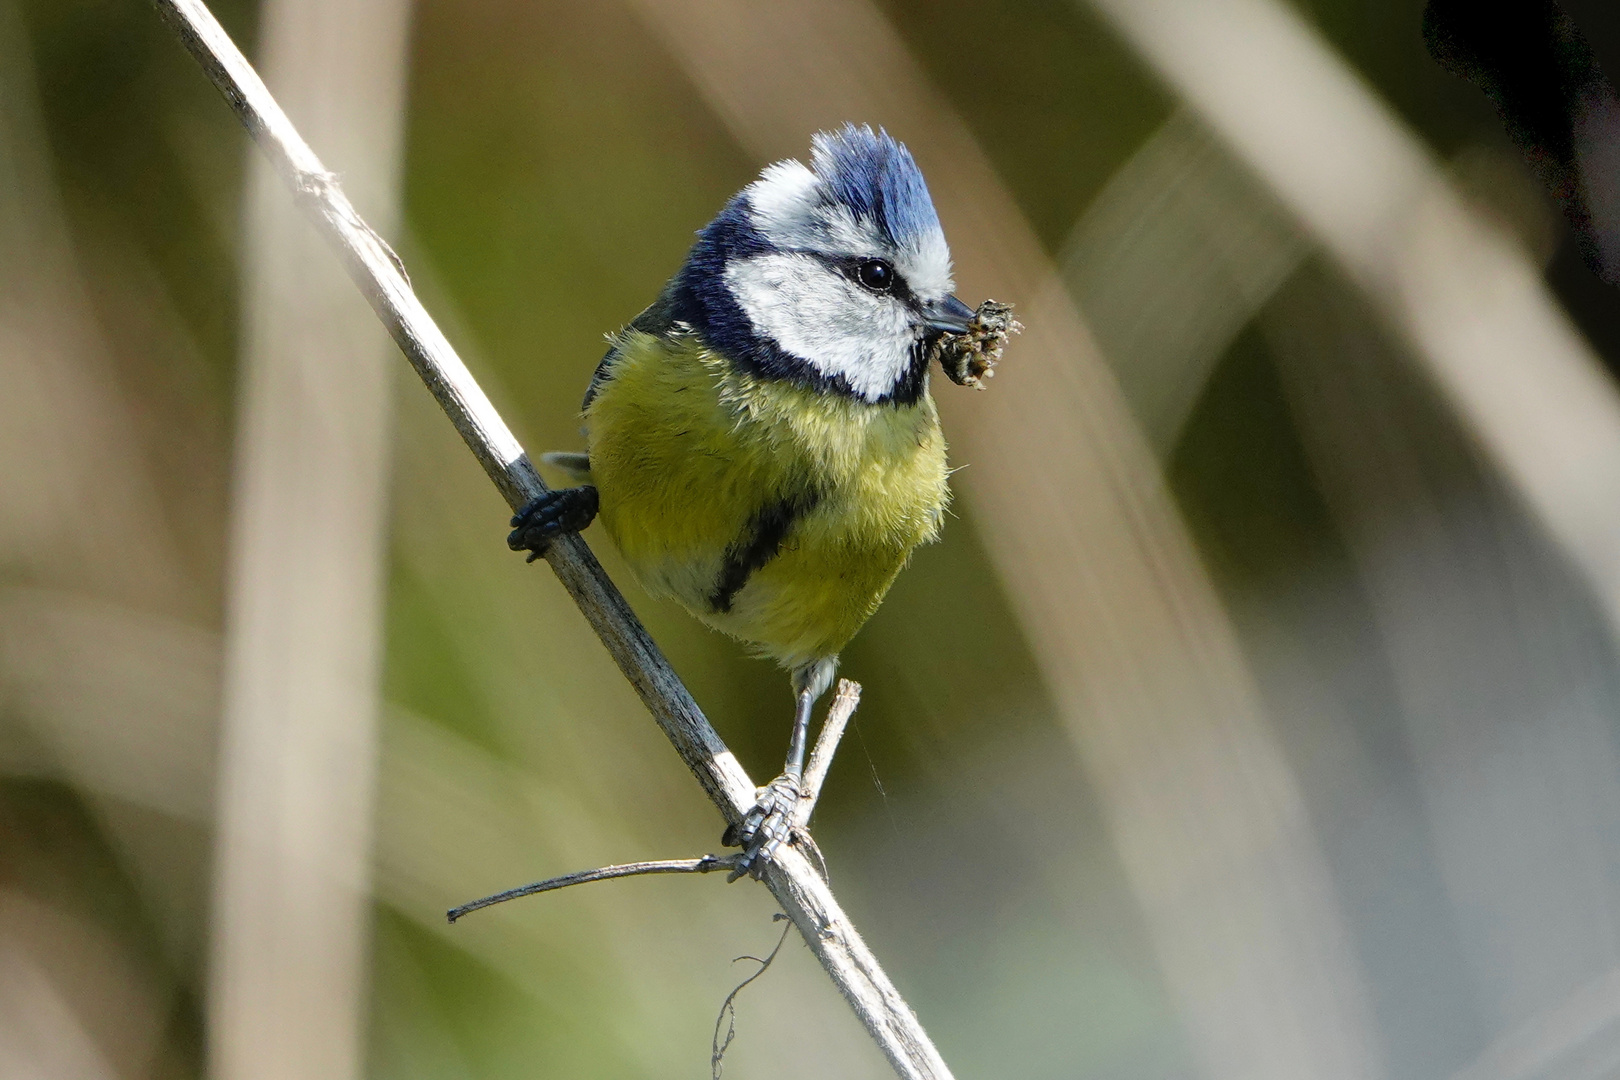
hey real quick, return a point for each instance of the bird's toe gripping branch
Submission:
(550, 515)
(766, 827)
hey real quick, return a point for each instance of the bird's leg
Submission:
(548, 516)
(801, 732)
(769, 824)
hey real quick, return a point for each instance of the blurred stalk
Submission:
(1180, 250)
(1473, 310)
(293, 852)
(1503, 668)
(1507, 682)
(1133, 643)
(1575, 1037)
(70, 449)
(104, 689)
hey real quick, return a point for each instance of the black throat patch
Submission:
(760, 542)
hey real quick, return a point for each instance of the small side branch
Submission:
(792, 879)
(832, 730)
(839, 713)
(708, 864)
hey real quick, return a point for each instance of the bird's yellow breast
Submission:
(700, 467)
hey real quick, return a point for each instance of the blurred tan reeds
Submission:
(107, 680)
(1447, 477)
(1494, 650)
(292, 899)
(1133, 643)
(1172, 259)
(1479, 320)
(1501, 664)
(73, 1001)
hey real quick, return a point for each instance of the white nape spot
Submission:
(787, 209)
(785, 193)
(826, 320)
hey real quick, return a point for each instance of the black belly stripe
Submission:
(759, 543)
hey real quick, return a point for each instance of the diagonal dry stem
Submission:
(792, 879)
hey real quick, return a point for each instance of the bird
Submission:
(761, 444)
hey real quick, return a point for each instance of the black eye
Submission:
(876, 275)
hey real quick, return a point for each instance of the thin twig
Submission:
(717, 1045)
(804, 896)
(832, 730)
(821, 758)
(708, 864)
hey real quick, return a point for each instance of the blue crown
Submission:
(875, 177)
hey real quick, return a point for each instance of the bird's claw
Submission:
(548, 516)
(765, 828)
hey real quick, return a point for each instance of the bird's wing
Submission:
(603, 372)
(658, 319)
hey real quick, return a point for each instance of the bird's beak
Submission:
(949, 315)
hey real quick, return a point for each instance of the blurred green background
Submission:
(1427, 662)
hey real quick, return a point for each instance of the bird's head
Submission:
(834, 275)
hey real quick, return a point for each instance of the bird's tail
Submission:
(577, 466)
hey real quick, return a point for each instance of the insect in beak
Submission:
(949, 315)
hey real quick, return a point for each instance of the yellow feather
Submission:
(685, 451)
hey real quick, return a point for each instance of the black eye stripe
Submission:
(850, 266)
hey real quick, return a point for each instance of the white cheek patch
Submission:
(826, 320)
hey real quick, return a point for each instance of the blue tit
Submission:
(762, 446)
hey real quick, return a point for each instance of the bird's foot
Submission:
(548, 516)
(766, 827)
